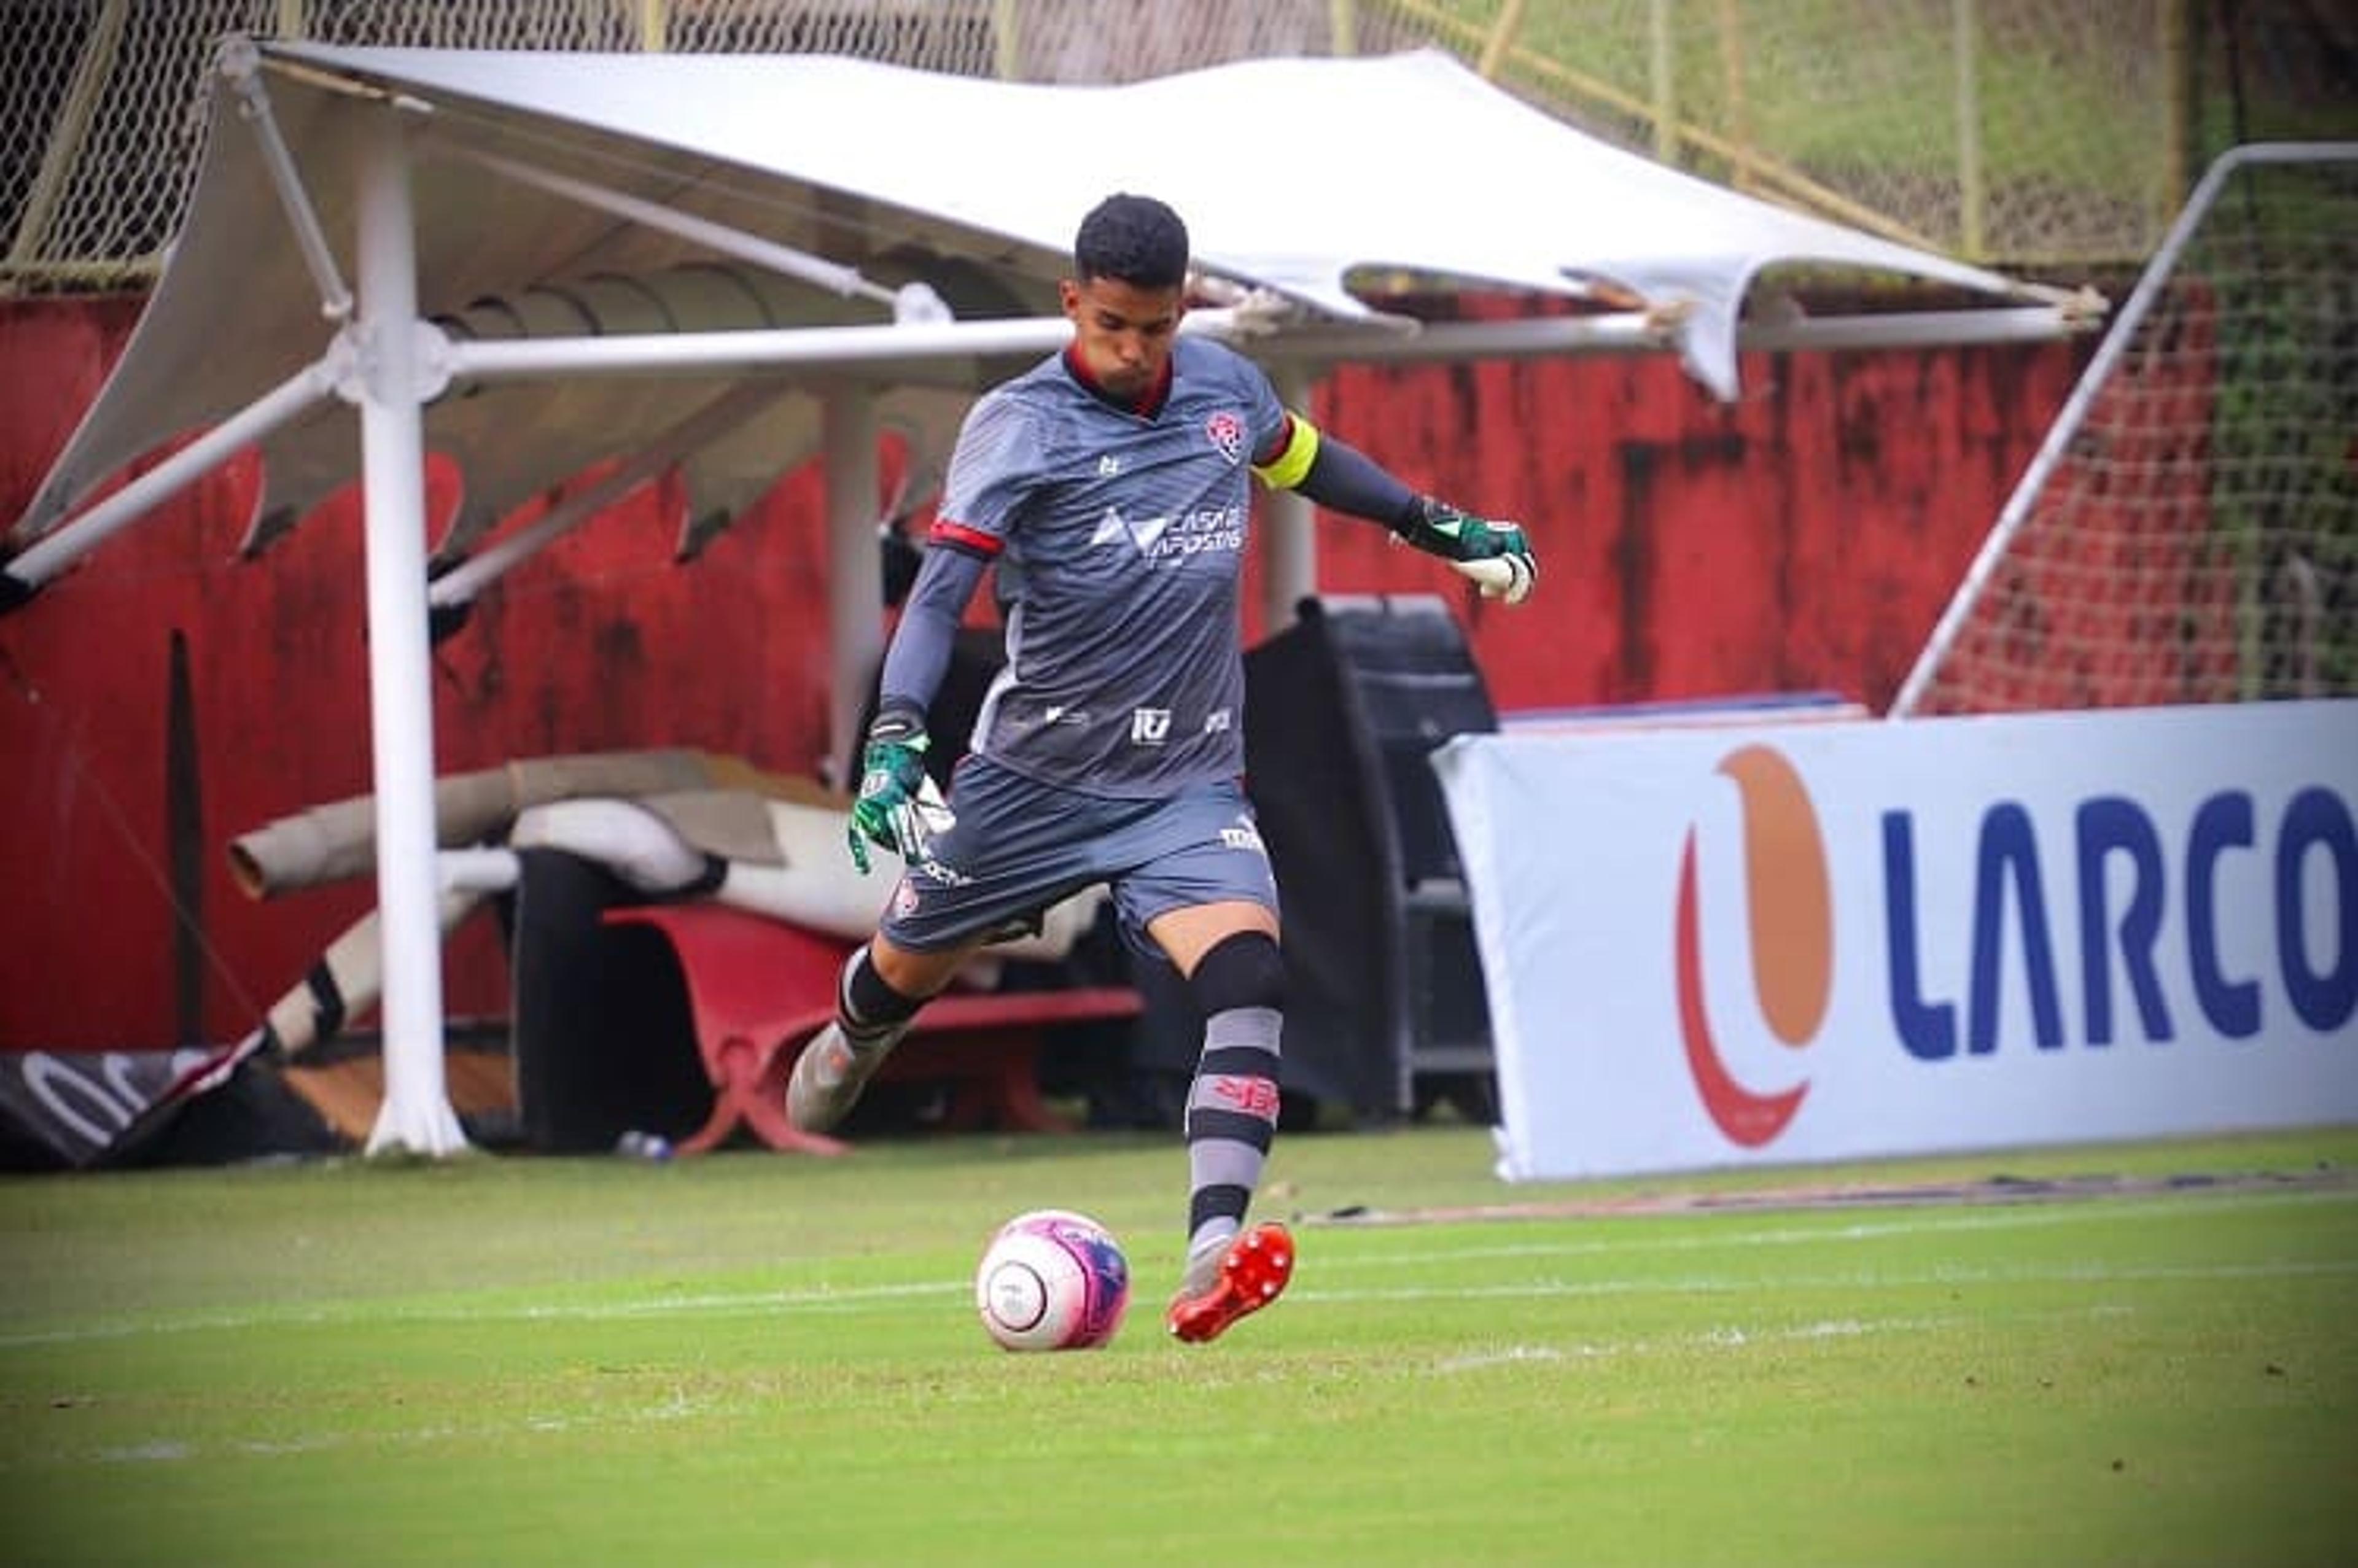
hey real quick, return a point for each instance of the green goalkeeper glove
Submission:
(1495, 555)
(898, 807)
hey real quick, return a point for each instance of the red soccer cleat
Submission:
(1253, 1273)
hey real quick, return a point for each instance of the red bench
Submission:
(759, 989)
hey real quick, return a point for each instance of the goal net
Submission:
(2188, 532)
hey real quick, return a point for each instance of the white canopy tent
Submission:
(728, 262)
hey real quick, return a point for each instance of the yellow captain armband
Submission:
(1288, 468)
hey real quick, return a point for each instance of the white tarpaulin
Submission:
(1327, 182)
(1299, 175)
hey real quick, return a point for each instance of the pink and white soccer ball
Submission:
(1052, 1280)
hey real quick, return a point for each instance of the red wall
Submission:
(1803, 538)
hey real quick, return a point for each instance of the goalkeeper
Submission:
(1108, 486)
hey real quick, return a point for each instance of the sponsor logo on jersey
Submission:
(1244, 836)
(1219, 722)
(1109, 466)
(1113, 527)
(1170, 540)
(1150, 726)
(1227, 434)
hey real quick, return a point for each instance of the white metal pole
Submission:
(242, 64)
(1288, 556)
(1389, 343)
(69, 541)
(415, 1117)
(893, 344)
(855, 593)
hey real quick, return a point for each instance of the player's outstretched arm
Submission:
(1496, 557)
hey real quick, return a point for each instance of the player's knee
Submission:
(1243, 971)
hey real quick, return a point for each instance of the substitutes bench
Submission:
(758, 989)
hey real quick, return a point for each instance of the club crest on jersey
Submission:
(1228, 436)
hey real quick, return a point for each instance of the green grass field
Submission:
(757, 1358)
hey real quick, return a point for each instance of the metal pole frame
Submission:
(241, 67)
(854, 349)
(69, 541)
(415, 1117)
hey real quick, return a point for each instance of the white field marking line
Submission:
(679, 1407)
(354, 1315)
(1733, 1337)
(864, 1297)
(155, 1450)
(1706, 1284)
(1921, 1223)
(1482, 1360)
(868, 1298)
(1794, 1204)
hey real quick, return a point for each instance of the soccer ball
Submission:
(1052, 1280)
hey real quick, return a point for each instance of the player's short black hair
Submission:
(1136, 239)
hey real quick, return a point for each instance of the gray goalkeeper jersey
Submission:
(1119, 536)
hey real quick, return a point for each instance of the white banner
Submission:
(1782, 944)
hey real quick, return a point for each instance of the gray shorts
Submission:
(1019, 846)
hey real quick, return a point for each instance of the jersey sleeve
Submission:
(993, 469)
(1284, 443)
(1264, 415)
(1285, 463)
(919, 654)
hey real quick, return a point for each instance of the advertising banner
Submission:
(1788, 943)
(79, 1108)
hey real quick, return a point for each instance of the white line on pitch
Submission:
(1705, 1240)
(1749, 1284)
(1732, 1336)
(680, 1406)
(870, 1298)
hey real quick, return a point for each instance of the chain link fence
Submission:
(2054, 134)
